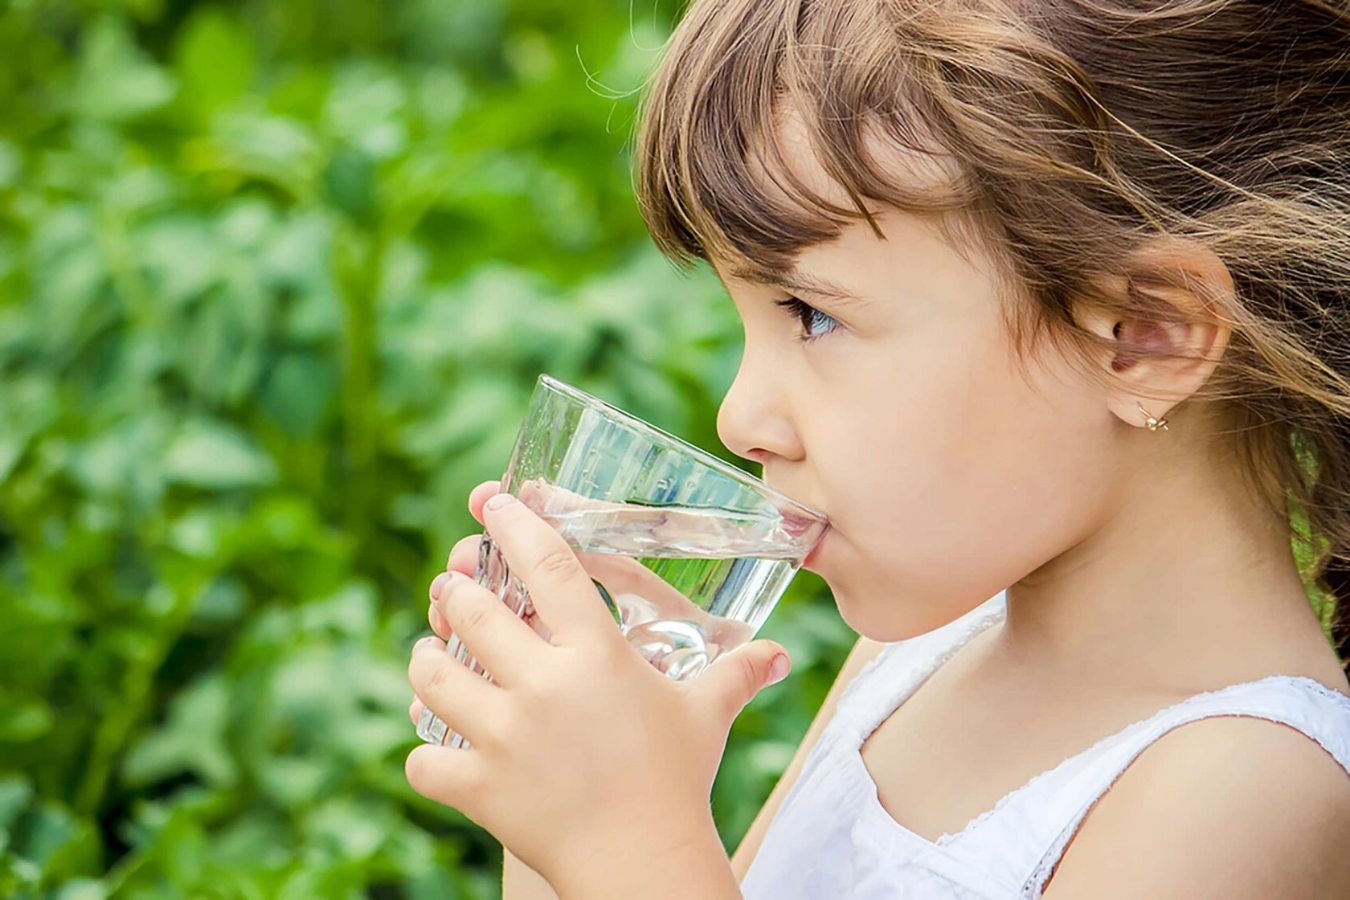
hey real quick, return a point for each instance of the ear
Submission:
(1180, 293)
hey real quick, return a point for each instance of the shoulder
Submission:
(1235, 807)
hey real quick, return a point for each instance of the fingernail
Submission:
(499, 501)
(437, 584)
(778, 669)
(425, 642)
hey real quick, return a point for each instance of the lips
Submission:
(795, 526)
(811, 557)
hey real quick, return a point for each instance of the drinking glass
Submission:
(689, 553)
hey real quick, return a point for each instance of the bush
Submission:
(275, 283)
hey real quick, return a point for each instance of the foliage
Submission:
(275, 282)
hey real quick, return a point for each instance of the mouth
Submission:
(810, 560)
(795, 526)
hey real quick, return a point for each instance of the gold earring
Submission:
(1151, 423)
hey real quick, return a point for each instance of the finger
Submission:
(434, 617)
(503, 644)
(437, 584)
(438, 623)
(542, 497)
(464, 555)
(538, 555)
(452, 776)
(735, 678)
(622, 575)
(463, 559)
(479, 495)
(462, 699)
(415, 711)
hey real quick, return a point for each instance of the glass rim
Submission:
(723, 467)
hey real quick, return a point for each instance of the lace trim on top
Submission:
(1035, 883)
(873, 713)
(870, 717)
(1193, 700)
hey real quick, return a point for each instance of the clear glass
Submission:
(690, 553)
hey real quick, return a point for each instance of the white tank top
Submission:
(832, 838)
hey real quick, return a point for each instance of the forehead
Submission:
(804, 188)
(797, 151)
(790, 172)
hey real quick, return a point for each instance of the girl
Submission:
(1047, 305)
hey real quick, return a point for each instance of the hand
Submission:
(580, 749)
(619, 574)
(642, 595)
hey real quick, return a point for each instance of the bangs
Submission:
(772, 124)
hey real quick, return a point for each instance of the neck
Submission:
(1190, 579)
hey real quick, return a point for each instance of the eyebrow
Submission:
(792, 280)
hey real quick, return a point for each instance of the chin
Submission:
(870, 620)
(860, 617)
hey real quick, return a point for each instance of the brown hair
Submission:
(1080, 128)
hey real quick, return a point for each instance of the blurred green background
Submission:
(276, 279)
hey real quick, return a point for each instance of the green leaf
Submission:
(82, 889)
(58, 842)
(191, 740)
(11, 164)
(366, 109)
(117, 81)
(352, 829)
(349, 611)
(182, 256)
(190, 413)
(15, 794)
(211, 454)
(272, 149)
(23, 719)
(215, 59)
(349, 180)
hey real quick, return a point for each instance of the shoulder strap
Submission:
(898, 670)
(1302, 703)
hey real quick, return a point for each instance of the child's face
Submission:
(947, 475)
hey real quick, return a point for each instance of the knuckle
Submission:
(535, 684)
(472, 615)
(750, 676)
(509, 732)
(439, 676)
(560, 561)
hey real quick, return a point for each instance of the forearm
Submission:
(520, 882)
(698, 868)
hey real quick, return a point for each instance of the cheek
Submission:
(935, 415)
(957, 479)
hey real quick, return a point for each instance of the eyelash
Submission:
(799, 311)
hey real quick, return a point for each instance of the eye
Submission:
(808, 317)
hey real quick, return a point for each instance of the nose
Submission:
(753, 420)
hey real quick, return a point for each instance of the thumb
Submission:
(733, 680)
